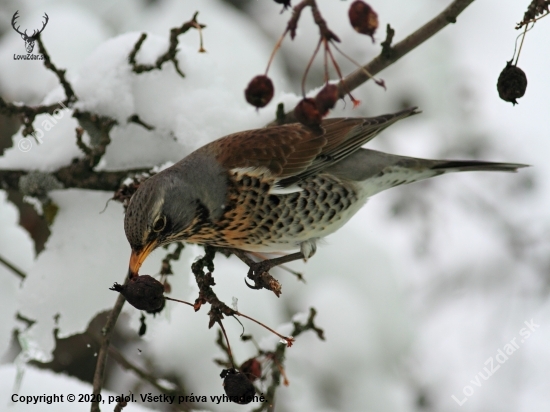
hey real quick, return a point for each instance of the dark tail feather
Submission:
(473, 165)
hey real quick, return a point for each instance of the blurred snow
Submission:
(415, 294)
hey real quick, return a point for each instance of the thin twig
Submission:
(104, 348)
(289, 339)
(70, 96)
(229, 353)
(521, 44)
(170, 54)
(14, 269)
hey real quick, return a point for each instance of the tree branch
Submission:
(104, 348)
(14, 269)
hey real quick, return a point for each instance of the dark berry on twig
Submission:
(252, 369)
(238, 388)
(143, 293)
(326, 98)
(307, 113)
(512, 83)
(259, 91)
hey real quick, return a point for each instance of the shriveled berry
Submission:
(363, 18)
(259, 91)
(326, 98)
(252, 369)
(512, 83)
(307, 113)
(143, 293)
(238, 388)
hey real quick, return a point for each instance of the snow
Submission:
(412, 303)
(17, 249)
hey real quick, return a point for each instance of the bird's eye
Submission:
(160, 224)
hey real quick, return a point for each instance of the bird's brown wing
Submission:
(292, 152)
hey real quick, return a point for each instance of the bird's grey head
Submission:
(159, 212)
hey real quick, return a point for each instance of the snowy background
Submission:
(415, 294)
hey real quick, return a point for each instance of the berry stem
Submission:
(180, 301)
(228, 345)
(289, 340)
(521, 44)
(325, 58)
(370, 76)
(309, 66)
(277, 47)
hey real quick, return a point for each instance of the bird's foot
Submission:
(259, 271)
(259, 274)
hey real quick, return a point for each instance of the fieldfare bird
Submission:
(275, 189)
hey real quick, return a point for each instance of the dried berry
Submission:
(259, 91)
(143, 293)
(512, 83)
(363, 18)
(252, 369)
(306, 112)
(238, 388)
(326, 98)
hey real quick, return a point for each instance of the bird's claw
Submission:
(259, 274)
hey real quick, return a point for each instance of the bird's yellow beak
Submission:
(138, 257)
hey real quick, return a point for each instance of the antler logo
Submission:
(29, 40)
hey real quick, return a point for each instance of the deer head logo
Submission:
(29, 40)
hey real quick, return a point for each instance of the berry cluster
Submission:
(310, 111)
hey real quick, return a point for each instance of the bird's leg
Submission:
(286, 268)
(259, 271)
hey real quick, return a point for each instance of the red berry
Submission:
(326, 98)
(363, 18)
(306, 112)
(259, 91)
(252, 369)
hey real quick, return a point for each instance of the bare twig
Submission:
(70, 96)
(288, 339)
(229, 353)
(136, 119)
(104, 348)
(27, 114)
(278, 357)
(170, 54)
(536, 8)
(13, 268)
